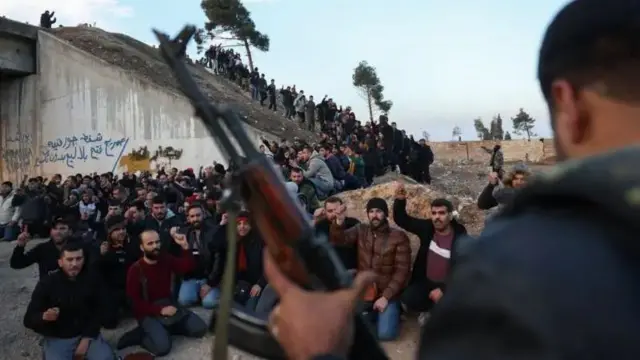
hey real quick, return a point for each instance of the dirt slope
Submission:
(145, 61)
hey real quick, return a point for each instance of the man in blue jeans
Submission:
(194, 288)
(9, 212)
(385, 251)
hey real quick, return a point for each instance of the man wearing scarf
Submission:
(387, 252)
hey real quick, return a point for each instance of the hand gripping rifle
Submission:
(304, 257)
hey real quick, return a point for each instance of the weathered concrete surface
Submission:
(83, 115)
(17, 55)
(17, 47)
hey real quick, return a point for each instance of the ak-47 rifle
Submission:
(289, 237)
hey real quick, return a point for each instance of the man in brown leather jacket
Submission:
(385, 251)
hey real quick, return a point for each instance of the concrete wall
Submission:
(514, 150)
(82, 115)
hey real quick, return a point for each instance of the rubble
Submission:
(145, 61)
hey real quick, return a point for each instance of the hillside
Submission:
(145, 61)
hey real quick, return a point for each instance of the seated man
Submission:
(306, 190)
(46, 254)
(316, 171)
(63, 309)
(323, 218)
(385, 251)
(194, 288)
(117, 254)
(149, 285)
(439, 237)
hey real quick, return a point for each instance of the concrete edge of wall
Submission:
(133, 74)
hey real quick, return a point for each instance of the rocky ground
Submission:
(459, 182)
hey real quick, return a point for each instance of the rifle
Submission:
(289, 237)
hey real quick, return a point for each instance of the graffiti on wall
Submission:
(18, 154)
(82, 148)
(142, 159)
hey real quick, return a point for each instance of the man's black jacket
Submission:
(555, 276)
(423, 228)
(78, 301)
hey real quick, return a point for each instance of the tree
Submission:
(230, 20)
(366, 80)
(507, 136)
(496, 131)
(523, 123)
(456, 133)
(426, 135)
(481, 130)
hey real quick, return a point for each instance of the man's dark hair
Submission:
(593, 43)
(138, 204)
(60, 221)
(115, 202)
(334, 200)
(441, 202)
(295, 169)
(71, 246)
(194, 206)
(158, 199)
(8, 184)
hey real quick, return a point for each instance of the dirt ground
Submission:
(16, 342)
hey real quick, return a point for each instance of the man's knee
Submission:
(100, 350)
(188, 293)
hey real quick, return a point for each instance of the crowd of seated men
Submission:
(152, 247)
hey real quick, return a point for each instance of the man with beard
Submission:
(157, 220)
(439, 236)
(63, 309)
(249, 278)
(385, 251)
(555, 275)
(200, 234)
(117, 254)
(149, 287)
(327, 215)
(45, 254)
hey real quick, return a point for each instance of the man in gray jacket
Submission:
(316, 170)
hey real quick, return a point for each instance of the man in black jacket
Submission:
(117, 254)
(439, 237)
(63, 309)
(45, 254)
(557, 274)
(200, 235)
(159, 222)
(324, 216)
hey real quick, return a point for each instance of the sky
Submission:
(442, 63)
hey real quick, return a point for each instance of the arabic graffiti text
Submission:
(17, 154)
(71, 150)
